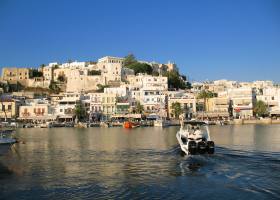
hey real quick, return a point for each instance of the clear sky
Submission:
(214, 39)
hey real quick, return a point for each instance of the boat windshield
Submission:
(197, 130)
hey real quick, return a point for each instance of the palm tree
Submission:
(205, 95)
(176, 109)
(139, 108)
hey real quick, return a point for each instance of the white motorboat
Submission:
(6, 141)
(194, 138)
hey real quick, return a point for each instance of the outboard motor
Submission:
(210, 147)
(201, 147)
(192, 147)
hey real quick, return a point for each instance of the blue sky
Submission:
(214, 39)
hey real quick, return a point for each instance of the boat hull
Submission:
(5, 147)
(191, 147)
(129, 125)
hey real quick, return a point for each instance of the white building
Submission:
(74, 65)
(118, 91)
(186, 100)
(242, 101)
(111, 69)
(65, 106)
(95, 102)
(152, 100)
(271, 97)
(148, 82)
(37, 110)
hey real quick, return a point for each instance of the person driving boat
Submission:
(198, 134)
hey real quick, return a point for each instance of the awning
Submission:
(38, 118)
(136, 116)
(275, 112)
(213, 114)
(65, 116)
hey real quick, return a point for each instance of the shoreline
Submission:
(265, 121)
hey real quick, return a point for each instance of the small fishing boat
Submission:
(6, 141)
(105, 124)
(129, 124)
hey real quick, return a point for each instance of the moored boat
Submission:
(161, 123)
(6, 141)
(129, 124)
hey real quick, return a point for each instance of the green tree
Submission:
(175, 80)
(260, 109)
(176, 109)
(141, 68)
(131, 63)
(129, 59)
(80, 111)
(205, 95)
(139, 108)
(188, 85)
(35, 73)
(54, 87)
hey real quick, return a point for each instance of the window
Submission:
(3, 107)
(61, 110)
(9, 107)
(272, 98)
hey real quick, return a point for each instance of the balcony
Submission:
(25, 114)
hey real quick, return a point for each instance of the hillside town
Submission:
(119, 88)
